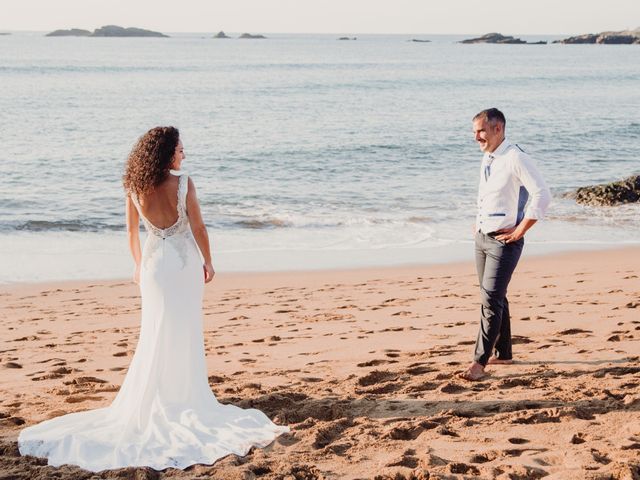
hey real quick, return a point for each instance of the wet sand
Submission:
(362, 365)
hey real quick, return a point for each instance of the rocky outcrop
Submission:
(221, 34)
(608, 194)
(107, 31)
(624, 37)
(417, 40)
(348, 38)
(116, 31)
(248, 35)
(73, 32)
(499, 38)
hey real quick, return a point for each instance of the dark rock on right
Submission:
(608, 194)
(624, 37)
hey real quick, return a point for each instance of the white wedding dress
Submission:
(165, 414)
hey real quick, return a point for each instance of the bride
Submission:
(165, 414)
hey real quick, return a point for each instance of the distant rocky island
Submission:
(250, 36)
(623, 37)
(107, 31)
(418, 40)
(73, 32)
(5, 33)
(116, 31)
(608, 194)
(502, 39)
(221, 34)
(348, 38)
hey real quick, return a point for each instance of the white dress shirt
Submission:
(508, 178)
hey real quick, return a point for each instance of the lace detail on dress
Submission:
(178, 233)
(182, 223)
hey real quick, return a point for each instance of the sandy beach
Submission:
(361, 364)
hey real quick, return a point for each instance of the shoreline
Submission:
(361, 364)
(404, 258)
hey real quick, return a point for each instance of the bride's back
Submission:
(160, 206)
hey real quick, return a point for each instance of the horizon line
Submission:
(302, 33)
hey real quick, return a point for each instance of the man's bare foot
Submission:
(474, 373)
(499, 361)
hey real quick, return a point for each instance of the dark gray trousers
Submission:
(495, 263)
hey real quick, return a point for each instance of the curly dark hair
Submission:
(150, 160)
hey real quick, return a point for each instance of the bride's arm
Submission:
(199, 230)
(133, 232)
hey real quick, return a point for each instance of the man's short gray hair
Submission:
(492, 115)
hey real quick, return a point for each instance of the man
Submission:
(508, 178)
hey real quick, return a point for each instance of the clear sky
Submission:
(327, 16)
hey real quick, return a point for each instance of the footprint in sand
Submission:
(422, 387)
(515, 382)
(12, 421)
(81, 398)
(517, 441)
(419, 369)
(600, 457)
(409, 431)
(520, 340)
(376, 377)
(84, 381)
(329, 432)
(484, 457)
(444, 430)
(375, 363)
(27, 339)
(523, 472)
(451, 388)
(577, 439)
(462, 469)
(574, 331)
(402, 313)
(407, 459)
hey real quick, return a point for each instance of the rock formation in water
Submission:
(221, 34)
(418, 40)
(348, 38)
(624, 37)
(608, 194)
(499, 38)
(248, 35)
(73, 32)
(116, 31)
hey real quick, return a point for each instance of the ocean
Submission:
(307, 152)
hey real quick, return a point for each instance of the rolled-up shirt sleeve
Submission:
(539, 194)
